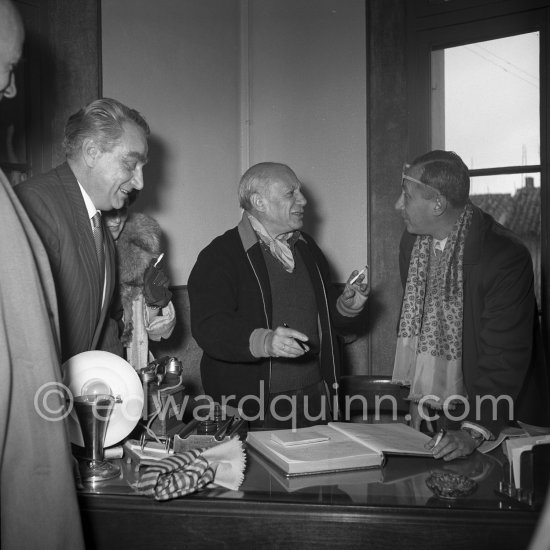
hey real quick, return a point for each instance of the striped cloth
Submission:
(176, 475)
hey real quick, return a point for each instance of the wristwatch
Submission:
(476, 435)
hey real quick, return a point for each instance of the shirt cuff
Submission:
(257, 342)
(347, 311)
(480, 429)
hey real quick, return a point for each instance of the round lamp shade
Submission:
(101, 371)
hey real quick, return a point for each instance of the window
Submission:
(459, 52)
(485, 106)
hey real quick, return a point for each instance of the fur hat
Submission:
(138, 244)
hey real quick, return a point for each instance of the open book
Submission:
(337, 446)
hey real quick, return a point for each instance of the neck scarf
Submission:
(280, 247)
(428, 356)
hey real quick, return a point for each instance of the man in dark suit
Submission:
(106, 149)
(469, 343)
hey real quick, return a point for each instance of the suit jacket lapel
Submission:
(86, 250)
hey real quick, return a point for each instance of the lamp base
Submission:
(97, 470)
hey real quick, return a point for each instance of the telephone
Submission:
(163, 387)
(158, 369)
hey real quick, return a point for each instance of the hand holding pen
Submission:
(299, 342)
(440, 435)
(436, 440)
(451, 445)
(286, 342)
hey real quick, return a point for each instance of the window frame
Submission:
(442, 26)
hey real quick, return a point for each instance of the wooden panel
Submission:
(124, 522)
(387, 146)
(62, 71)
(72, 69)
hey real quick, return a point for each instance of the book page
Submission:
(393, 438)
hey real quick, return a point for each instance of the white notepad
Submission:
(290, 438)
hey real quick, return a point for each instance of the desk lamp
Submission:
(107, 401)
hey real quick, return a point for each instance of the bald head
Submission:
(11, 46)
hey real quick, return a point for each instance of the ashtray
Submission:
(448, 485)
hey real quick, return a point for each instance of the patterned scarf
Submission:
(280, 247)
(428, 356)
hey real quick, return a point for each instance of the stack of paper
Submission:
(514, 449)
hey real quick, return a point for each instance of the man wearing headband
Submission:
(468, 340)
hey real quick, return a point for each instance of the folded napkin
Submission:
(183, 473)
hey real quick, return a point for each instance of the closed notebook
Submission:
(343, 446)
(288, 438)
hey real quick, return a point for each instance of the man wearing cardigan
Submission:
(264, 313)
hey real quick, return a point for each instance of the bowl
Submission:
(449, 485)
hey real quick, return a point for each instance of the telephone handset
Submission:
(159, 368)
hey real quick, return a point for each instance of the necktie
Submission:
(98, 239)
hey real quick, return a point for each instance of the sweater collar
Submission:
(248, 235)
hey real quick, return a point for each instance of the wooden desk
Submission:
(383, 508)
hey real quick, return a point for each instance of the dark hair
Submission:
(101, 120)
(446, 172)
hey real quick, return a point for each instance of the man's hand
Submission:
(454, 444)
(155, 287)
(418, 413)
(355, 295)
(281, 342)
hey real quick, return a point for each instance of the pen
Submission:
(299, 342)
(357, 276)
(159, 259)
(440, 435)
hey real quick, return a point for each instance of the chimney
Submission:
(529, 182)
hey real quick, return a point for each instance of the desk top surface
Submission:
(401, 482)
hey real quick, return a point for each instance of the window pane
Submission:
(514, 201)
(486, 101)
(485, 107)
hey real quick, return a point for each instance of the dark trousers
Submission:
(298, 408)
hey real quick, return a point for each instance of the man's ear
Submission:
(440, 205)
(90, 152)
(257, 202)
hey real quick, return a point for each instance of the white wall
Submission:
(177, 62)
(308, 110)
(296, 93)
